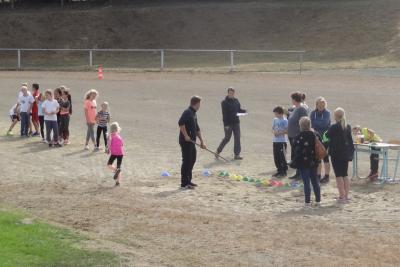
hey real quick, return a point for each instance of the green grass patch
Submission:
(33, 243)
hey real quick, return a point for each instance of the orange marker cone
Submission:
(100, 73)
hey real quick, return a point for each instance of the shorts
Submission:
(35, 116)
(112, 159)
(14, 117)
(340, 167)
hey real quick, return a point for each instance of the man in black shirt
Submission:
(189, 131)
(230, 109)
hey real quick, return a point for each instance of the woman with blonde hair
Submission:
(90, 107)
(341, 150)
(320, 122)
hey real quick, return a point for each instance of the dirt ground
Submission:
(149, 222)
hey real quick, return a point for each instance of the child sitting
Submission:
(15, 118)
(369, 136)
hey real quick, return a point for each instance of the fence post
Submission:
(19, 58)
(90, 58)
(232, 61)
(301, 62)
(162, 60)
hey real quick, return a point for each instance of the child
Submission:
(369, 136)
(25, 101)
(90, 107)
(50, 110)
(14, 115)
(116, 149)
(64, 116)
(57, 97)
(279, 129)
(35, 115)
(41, 98)
(102, 119)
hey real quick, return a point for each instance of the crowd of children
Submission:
(49, 114)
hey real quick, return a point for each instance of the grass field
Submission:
(148, 221)
(25, 241)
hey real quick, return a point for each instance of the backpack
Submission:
(320, 150)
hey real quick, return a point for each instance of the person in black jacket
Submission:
(230, 109)
(189, 130)
(305, 160)
(341, 150)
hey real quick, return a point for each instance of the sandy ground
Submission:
(149, 222)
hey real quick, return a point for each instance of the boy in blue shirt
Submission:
(279, 130)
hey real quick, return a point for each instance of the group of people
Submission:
(305, 128)
(49, 114)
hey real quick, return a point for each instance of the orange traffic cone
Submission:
(100, 73)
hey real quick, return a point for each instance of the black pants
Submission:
(280, 157)
(99, 130)
(119, 160)
(64, 126)
(374, 160)
(188, 160)
(41, 123)
(228, 130)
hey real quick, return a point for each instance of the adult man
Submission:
(189, 131)
(230, 109)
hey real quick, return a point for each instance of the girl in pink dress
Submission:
(116, 151)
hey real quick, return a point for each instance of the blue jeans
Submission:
(51, 126)
(24, 123)
(310, 175)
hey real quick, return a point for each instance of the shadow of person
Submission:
(168, 193)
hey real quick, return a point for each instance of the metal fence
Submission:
(152, 59)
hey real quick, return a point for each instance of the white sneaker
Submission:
(86, 147)
(307, 206)
(317, 204)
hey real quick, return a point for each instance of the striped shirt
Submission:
(103, 117)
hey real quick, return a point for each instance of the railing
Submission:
(233, 60)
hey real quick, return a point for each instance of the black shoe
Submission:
(116, 183)
(281, 175)
(325, 180)
(117, 172)
(276, 174)
(50, 145)
(294, 177)
(237, 157)
(193, 184)
(57, 145)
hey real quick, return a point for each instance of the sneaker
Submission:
(281, 175)
(325, 180)
(187, 187)
(35, 134)
(44, 140)
(116, 174)
(275, 174)
(217, 155)
(96, 149)
(373, 177)
(57, 145)
(341, 201)
(238, 157)
(51, 145)
(86, 147)
(117, 183)
(9, 133)
(193, 184)
(66, 142)
(307, 205)
(317, 204)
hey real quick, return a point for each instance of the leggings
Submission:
(41, 123)
(99, 130)
(90, 133)
(64, 126)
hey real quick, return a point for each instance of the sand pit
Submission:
(149, 222)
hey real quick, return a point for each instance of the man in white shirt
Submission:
(25, 102)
